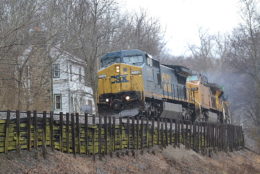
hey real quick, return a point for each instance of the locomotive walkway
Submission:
(91, 135)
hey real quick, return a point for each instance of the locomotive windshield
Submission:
(192, 78)
(133, 60)
(110, 60)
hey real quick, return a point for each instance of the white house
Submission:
(70, 92)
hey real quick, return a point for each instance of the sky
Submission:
(182, 19)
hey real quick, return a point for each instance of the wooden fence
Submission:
(90, 135)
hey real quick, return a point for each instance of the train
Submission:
(132, 82)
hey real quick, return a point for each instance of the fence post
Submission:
(146, 133)
(231, 138)
(73, 134)
(215, 136)
(99, 136)
(186, 134)
(179, 132)
(111, 136)
(61, 131)
(234, 137)
(162, 134)
(222, 136)
(18, 148)
(78, 133)
(191, 135)
(142, 138)
(243, 138)
(133, 136)
(212, 136)
(7, 131)
(194, 136)
(44, 134)
(158, 131)
(238, 137)
(146, 143)
(51, 130)
(204, 137)
(199, 136)
(86, 133)
(166, 132)
(35, 130)
(137, 134)
(114, 134)
(218, 137)
(182, 133)
(117, 140)
(170, 131)
(207, 135)
(121, 133)
(105, 131)
(226, 138)
(93, 137)
(236, 142)
(221, 127)
(176, 133)
(152, 132)
(128, 136)
(67, 132)
(29, 130)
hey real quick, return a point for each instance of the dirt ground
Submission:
(167, 160)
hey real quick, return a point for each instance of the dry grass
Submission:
(168, 160)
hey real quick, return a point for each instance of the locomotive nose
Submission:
(117, 105)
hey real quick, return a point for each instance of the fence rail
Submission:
(90, 135)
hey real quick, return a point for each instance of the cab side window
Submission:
(149, 61)
(156, 63)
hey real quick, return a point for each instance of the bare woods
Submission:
(233, 61)
(30, 29)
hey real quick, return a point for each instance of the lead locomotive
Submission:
(131, 82)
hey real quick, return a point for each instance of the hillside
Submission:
(168, 160)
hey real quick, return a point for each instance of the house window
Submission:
(56, 70)
(57, 98)
(70, 72)
(90, 105)
(80, 77)
(71, 104)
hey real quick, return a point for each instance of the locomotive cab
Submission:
(120, 83)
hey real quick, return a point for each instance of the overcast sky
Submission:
(182, 18)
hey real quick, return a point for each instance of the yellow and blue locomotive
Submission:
(131, 82)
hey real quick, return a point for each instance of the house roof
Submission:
(62, 54)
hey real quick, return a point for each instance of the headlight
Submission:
(127, 98)
(135, 72)
(117, 68)
(107, 100)
(102, 76)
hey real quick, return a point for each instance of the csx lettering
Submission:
(119, 79)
